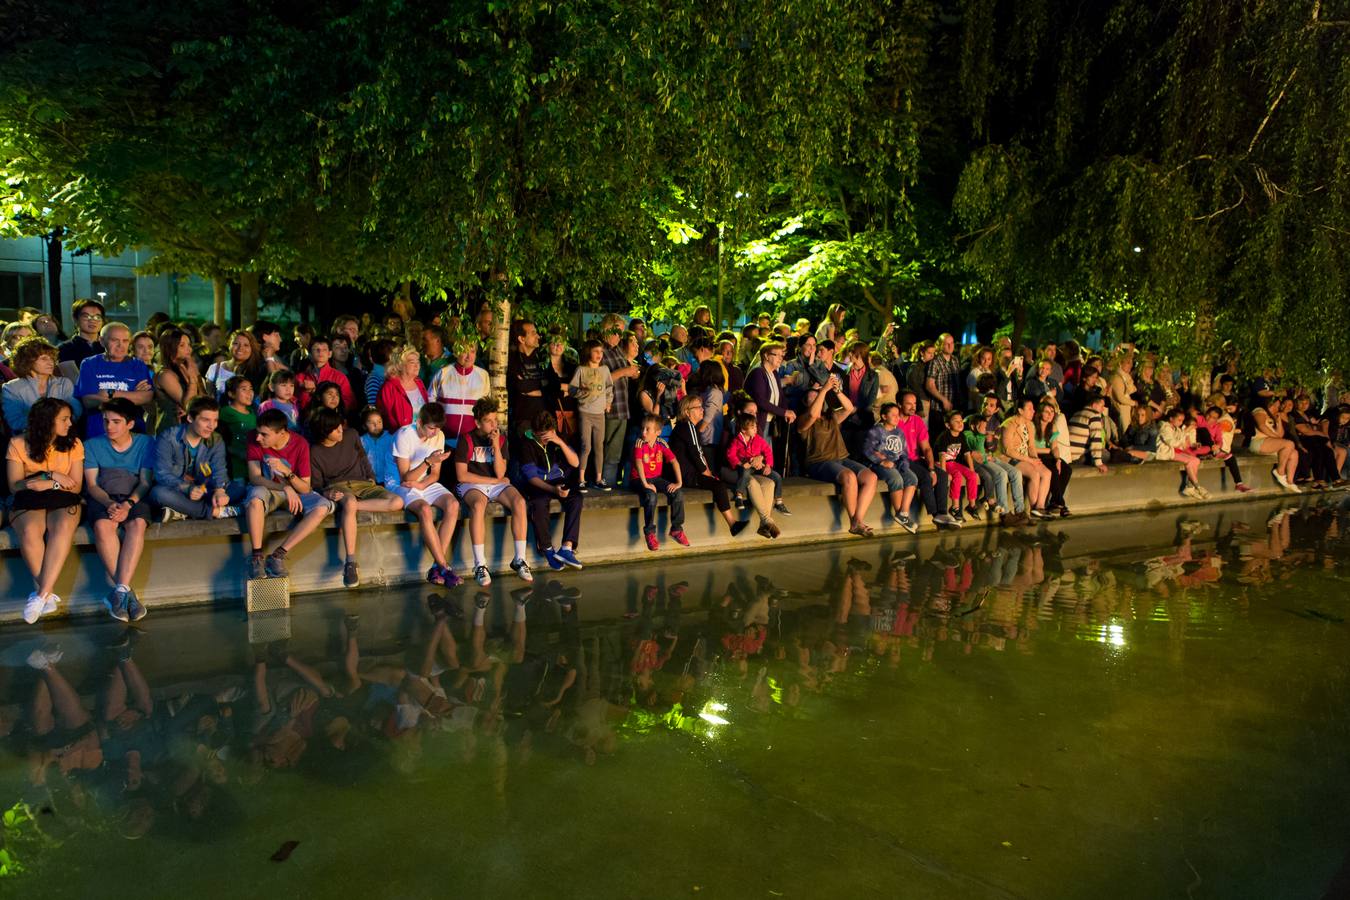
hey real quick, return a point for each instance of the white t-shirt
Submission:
(409, 445)
(414, 398)
(217, 375)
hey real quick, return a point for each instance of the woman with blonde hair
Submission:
(1120, 389)
(403, 394)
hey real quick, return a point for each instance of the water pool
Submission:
(1125, 707)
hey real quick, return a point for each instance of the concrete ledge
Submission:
(202, 563)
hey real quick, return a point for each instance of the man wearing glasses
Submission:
(88, 316)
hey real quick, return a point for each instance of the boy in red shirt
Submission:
(278, 475)
(650, 456)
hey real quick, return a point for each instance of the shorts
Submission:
(361, 490)
(493, 491)
(1254, 445)
(896, 479)
(430, 494)
(140, 510)
(830, 469)
(26, 499)
(275, 500)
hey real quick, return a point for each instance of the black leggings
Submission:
(1316, 458)
(1060, 473)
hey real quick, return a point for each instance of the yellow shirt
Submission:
(66, 462)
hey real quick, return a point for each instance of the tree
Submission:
(1184, 160)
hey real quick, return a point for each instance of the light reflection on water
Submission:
(918, 696)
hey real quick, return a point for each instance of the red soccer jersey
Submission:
(650, 459)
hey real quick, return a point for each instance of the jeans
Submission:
(614, 441)
(1002, 482)
(171, 498)
(896, 479)
(537, 502)
(674, 501)
(929, 492)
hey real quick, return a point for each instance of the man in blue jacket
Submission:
(192, 475)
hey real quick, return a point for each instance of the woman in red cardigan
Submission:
(403, 393)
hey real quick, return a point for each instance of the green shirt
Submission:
(235, 427)
(977, 444)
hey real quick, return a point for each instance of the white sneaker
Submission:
(480, 574)
(522, 569)
(1204, 494)
(1279, 479)
(44, 659)
(34, 607)
(1294, 488)
(50, 606)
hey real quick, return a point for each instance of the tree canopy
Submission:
(1177, 165)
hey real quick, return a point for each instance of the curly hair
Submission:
(41, 432)
(26, 353)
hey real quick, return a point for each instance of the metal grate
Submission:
(266, 627)
(268, 594)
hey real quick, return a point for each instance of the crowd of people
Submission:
(125, 428)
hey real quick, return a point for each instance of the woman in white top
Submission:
(1269, 439)
(245, 359)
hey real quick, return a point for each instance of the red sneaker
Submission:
(680, 538)
(1241, 488)
(653, 543)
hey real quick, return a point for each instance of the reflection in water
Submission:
(487, 683)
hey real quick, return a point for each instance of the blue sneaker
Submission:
(554, 561)
(135, 609)
(568, 557)
(116, 602)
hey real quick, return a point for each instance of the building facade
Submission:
(128, 296)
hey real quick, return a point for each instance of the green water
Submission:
(1127, 707)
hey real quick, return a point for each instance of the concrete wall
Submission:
(202, 563)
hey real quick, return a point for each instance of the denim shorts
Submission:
(830, 469)
(275, 500)
(896, 479)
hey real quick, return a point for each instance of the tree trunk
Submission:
(248, 298)
(219, 294)
(501, 346)
(1019, 324)
(54, 276)
(1204, 345)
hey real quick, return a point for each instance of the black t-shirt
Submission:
(478, 454)
(947, 447)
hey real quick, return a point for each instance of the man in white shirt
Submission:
(457, 386)
(419, 451)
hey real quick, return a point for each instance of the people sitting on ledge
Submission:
(954, 433)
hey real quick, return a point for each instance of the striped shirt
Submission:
(1087, 436)
(457, 391)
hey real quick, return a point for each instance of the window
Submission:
(20, 289)
(118, 295)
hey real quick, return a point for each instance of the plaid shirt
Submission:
(614, 359)
(945, 372)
